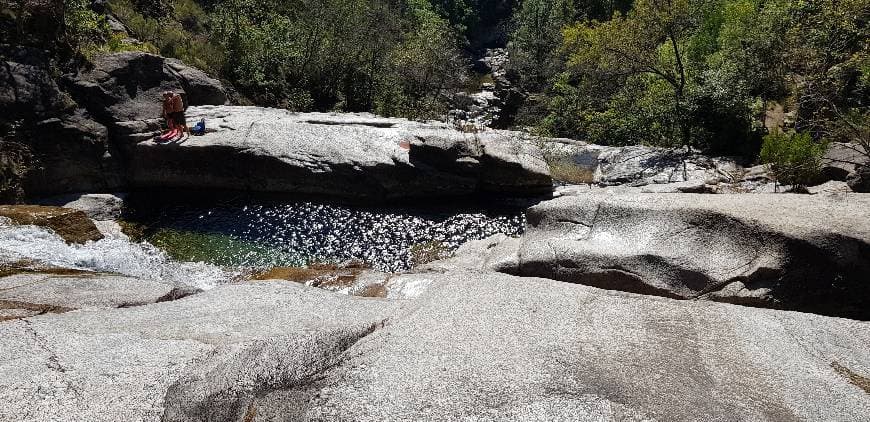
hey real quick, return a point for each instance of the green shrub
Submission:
(182, 36)
(85, 31)
(794, 158)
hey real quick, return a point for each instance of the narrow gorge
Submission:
(313, 263)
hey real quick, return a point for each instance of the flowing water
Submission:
(205, 244)
(114, 254)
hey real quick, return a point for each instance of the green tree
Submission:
(794, 158)
(535, 40)
(644, 50)
(395, 57)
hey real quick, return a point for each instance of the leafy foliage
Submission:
(184, 35)
(701, 73)
(794, 159)
(359, 55)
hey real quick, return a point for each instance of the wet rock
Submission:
(347, 156)
(693, 246)
(74, 226)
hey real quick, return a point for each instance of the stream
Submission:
(205, 243)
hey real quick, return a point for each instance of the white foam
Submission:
(113, 254)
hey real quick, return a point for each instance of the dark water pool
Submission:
(270, 233)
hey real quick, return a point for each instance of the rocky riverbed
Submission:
(638, 332)
(638, 284)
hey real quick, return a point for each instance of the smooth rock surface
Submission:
(340, 155)
(841, 160)
(98, 206)
(203, 357)
(474, 346)
(82, 290)
(808, 253)
(72, 225)
(479, 346)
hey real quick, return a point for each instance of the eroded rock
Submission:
(538, 349)
(770, 251)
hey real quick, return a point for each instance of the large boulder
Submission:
(74, 226)
(200, 88)
(859, 181)
(27, 90)
(475, 346)
(782, 251)
(124, 91)
(98, 206)
(70, 150)
(841, 160)
(72, 154)
(347, 156)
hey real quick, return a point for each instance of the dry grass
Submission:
(569, 172)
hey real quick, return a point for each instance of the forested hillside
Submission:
(714, 74)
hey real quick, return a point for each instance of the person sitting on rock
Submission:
(173, 112)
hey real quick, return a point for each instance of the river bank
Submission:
(392, 346)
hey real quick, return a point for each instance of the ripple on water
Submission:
(258, 235)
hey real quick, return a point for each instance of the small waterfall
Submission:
(115, 254)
